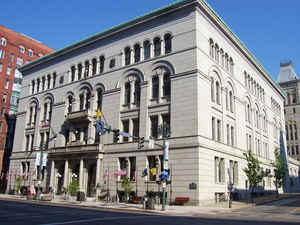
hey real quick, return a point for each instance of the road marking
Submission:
(98, 219)
(295, 210)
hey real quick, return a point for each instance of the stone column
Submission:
(98, 66)
(163, 52)
(142, 53)
(151, 50)
(66, 174)
(90, 68)
(81, 175)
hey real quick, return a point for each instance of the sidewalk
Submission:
(170, 210)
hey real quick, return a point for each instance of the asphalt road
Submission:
(14, 213)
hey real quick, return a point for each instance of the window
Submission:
(11, 57)
(99, 98)
(127, 93)
(2, 54)
(154, 166)
(212, 87)
(73, 70)
(157, 46)
(211, 48)
(4, 98)
(79, 66)
(81, 102)
(19, 61)
(43, 83)
(136, 127)
(137, 92)
(0, 126)
(21, 49)
(8, 72)
(232, 135)
(27, 142)
(218, 93)
(3, 41)
(137, 53)
(168, 43)
(70, 103)
(87, 100)
(32, 86)
(147, 50)
(167, 85)
(48, 81)
(132, 168)
(217, 53)
(295, 130)
(102, 60)
(233, 172)
(230, 101)
(38, 84)
(1, 67)
(127, 55)
(30, 53)
(213, 128)
(155, 87)
(218, 130)
(86, 69)
(125, 129)
(228, 134)
(219, 170)
(45, 111)
(6, 84)
(94, 66)
(291, 132)
(54, 80)
(154, 126)
(112, 63)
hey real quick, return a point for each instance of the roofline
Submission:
(106, 33)
(235, 39)
(149, 16)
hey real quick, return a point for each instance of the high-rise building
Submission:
(290, 83)
(15, 50)
(179, 66)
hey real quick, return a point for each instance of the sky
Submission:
(270, 29)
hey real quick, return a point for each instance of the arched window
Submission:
(127, 55)
(264, 121)
(70, 103)
(81, 101)
(226, 61)
(101, 64)
(32, 86)
(38, 85)
(86, 69)
(167, 85)
(155, 87)
(222, 57)
(3, 41)
(73, 73)
(33, 108)
(87, 100)
(127, 93)
(79, 66)
(137, 92)
(211, 48)
(146, 50)
(48, 81)
(218, 93)
(99, 98)
(157, 46)
(231, 65)
(168, 43)
(230, 101)
(212, 86)
(137, 53)
(94, 66)
(217, 53)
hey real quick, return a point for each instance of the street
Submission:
(16, 212)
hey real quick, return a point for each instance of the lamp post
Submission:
(164, 130)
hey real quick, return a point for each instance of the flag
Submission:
(99, 114)
(43, 123)
(153, 171)
(145, 172)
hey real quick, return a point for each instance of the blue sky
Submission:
(270, 29)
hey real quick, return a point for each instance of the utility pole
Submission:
(164, 130)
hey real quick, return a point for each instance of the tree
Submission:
(125, 182)
(278, 170)
(19, 181)
(254, 171)
(73, 187)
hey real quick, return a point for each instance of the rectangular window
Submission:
(1, 67)
(8, 70)
(0, 126)
(291, 132)
(155, 87)
(219, 170)
(19, 61)
(136, 128)
(2, 54)
(125, 129)
(166, 119)
(154, 126)
(6, 84)
(153, 167)
(132, 168)
(11, 57)
(232, 135)
(4, 99)
(213, 128)
(218, 130)
(228, 134)
(26, 142)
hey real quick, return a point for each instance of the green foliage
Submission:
(278, 169)
(19, 181)
(125, 182)
(73, 187)
(254, 172)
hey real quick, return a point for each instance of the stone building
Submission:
(290, 83)
(180, 65)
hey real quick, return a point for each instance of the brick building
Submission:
(15, 50)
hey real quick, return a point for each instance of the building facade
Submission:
(179, 65)
(15, 50)
(290, 83)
